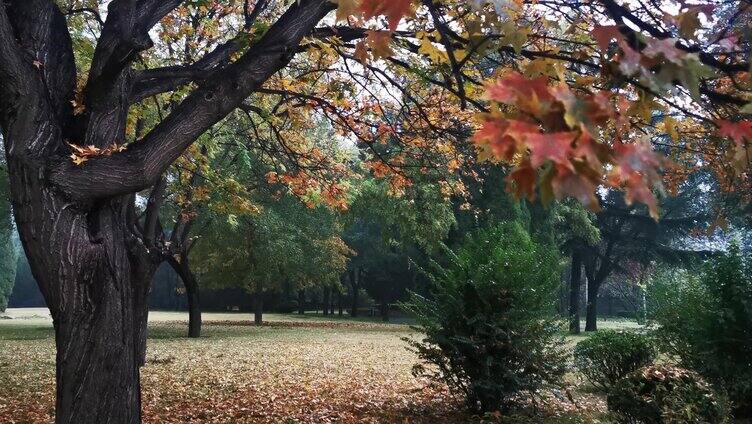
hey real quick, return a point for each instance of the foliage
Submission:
(488, 328)
(284, 243)
(608, 356)
(705, 320)
(665, 394)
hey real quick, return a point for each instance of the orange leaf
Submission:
(394, 10)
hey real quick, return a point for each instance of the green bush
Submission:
(664, 394)
(608, 356)
(705, 321)
(489, 325)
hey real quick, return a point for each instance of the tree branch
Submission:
(124, 35)
(146, 159)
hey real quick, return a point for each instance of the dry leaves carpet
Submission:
(283, 372)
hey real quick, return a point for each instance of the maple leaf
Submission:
(581, 187)
(361, 52)
(78, 160)
(522, 181)
(394, 10)
(346, 8)
(379, 42)
(555, 147)
(514, 87)
(637, 190)
(737, 131)
(428, 49)
(603, 34)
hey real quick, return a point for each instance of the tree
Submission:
(628, 235)
(283, 243)
(65, 116)
(575, 232)
(489, 324)
(388, 233)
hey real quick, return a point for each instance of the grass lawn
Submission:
(305, 369)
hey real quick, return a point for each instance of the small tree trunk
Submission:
(355, 288)
(301, 302)
(183, 269)
(340, 303)
(327, 296)
(591, 318)
(258, 305)
(575, 279)
(385, 311)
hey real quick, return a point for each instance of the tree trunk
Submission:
(258, 309)
(575, 279)
(340, 303)
(385, 311)
(354, 277)
(301, 302)
(95, 281)
(327, 298)
(192, 293)
(591, 318)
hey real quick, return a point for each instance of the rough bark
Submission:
(575, 280)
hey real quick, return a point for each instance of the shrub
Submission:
(489, 326)
(608, 356)
(706, 322)
(664, 394)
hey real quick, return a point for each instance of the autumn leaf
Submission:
(737, 131)
(346, 8)
(522, 181)
(394, 10)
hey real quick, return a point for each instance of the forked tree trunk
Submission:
(95, 281)
(575, 279)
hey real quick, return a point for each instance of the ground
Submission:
(294, 369)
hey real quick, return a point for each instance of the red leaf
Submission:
(603, 34)
(737, 131)
(522, 180)
(556, 147)
(514, 87)
(394, 10)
